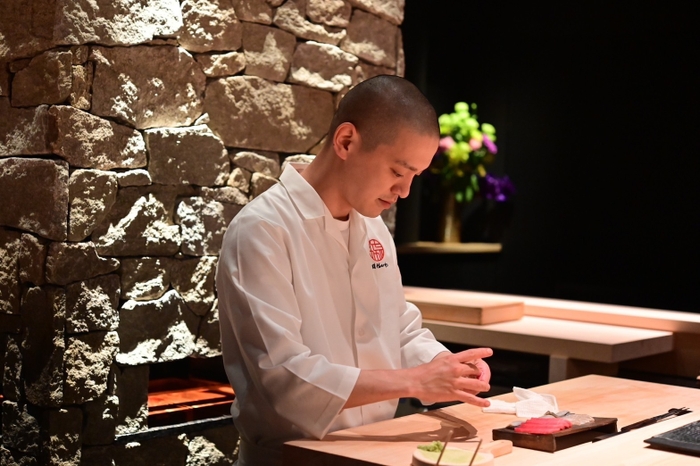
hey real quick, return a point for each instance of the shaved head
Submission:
(380, 106)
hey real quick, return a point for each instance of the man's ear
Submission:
(345, 139)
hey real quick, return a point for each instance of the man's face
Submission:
(375, 179)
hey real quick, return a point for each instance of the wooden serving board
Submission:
(559, 440)
(463, 307)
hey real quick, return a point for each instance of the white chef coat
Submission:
(302, 311)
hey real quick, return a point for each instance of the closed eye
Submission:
(397, 174)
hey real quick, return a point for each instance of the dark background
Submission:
(595, 106)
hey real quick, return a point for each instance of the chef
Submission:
(316, 333)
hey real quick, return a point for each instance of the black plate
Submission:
(684, 439)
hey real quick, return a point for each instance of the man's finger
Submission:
(471, 355)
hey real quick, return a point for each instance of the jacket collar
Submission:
(303, 195)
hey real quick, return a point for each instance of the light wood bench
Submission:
(574, 347)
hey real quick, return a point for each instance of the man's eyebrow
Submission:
(405, 164)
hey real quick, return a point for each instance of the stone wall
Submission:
(131, 133)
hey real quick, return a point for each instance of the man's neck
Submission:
(321, 174)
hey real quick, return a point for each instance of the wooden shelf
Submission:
(429, 247)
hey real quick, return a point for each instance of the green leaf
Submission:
(469, 193)
(459, 197)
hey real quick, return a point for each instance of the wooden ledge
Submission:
(429, 247)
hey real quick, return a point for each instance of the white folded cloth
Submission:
(529, 404)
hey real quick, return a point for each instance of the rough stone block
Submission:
(41, 188)
(71, 262)
(261, 183)
(23, 131)
(100, 420)
(290, 17)
(43, 315)
(62, 437)
(80, 94)
(9, 458)
(193, 279)
(144, 278)
(130, 82)
(4, 79)
(92, 305)
(365, 71)
(12, 370)
(20, 427)
(240, 179)
(156, 331)
(47, 80)
(80, 54)
(209, 25)
(114, 22)
(203, 224)
(139, 224)
(191, 155)
(268, 51)
(254, 11)
(227, 195)
(216, 65)
(250, 112)
(9, 271)
(92, 195)
(24, 35)
(400, 55)
(138, 177)
(330, 12)
(390, 10)
(32, 259)
(88, 359)
(87, 141)
(256, 163)
(322, 66)
(160, 451)
(132, 392)
(208, 344)
(213, 447)
(371, 39)
(298, 158)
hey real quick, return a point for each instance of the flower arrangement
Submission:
(466, 148)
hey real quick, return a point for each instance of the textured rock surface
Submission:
(47, 80)
(365, 71)
(88, 359)
(371, 39)
(144, 278)
(240, 179)
(191, 155)
(20, 427)
(41, 188)
(23, 130)
(330, 12)
(167, 79)
(139, 224)
(91, 305)
(156, 331)
(9, 271)
(227, 195)
(268, 51)
(23, 35)
(43, 314)
(100, 420)
(253, 162)
(12, 369)
(67, 263)
(209, 25)
(80, 93)
(261, 183)
(32, 260)
(250, 112)
(132, 393)
(216, 65)
(92, 195)
(298, 158)
(290, 17)
(203, 224)
(193, 279)
(390, 10)
(254, 11)
(4, 79)
(138, 177)
(63, 436)
(208, 343)
(87, 141)
(322, 66)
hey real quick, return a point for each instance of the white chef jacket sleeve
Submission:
(418, 345)
(256, 277)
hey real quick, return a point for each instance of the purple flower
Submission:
(445, 144)
(490, 145)
(495, 188)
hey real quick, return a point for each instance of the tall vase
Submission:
(450, 222)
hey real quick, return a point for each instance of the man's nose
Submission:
(403, 187)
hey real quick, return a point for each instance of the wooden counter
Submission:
(392, 442)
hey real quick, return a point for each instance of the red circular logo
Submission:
(376, 250)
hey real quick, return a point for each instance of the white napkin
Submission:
(529, 404)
